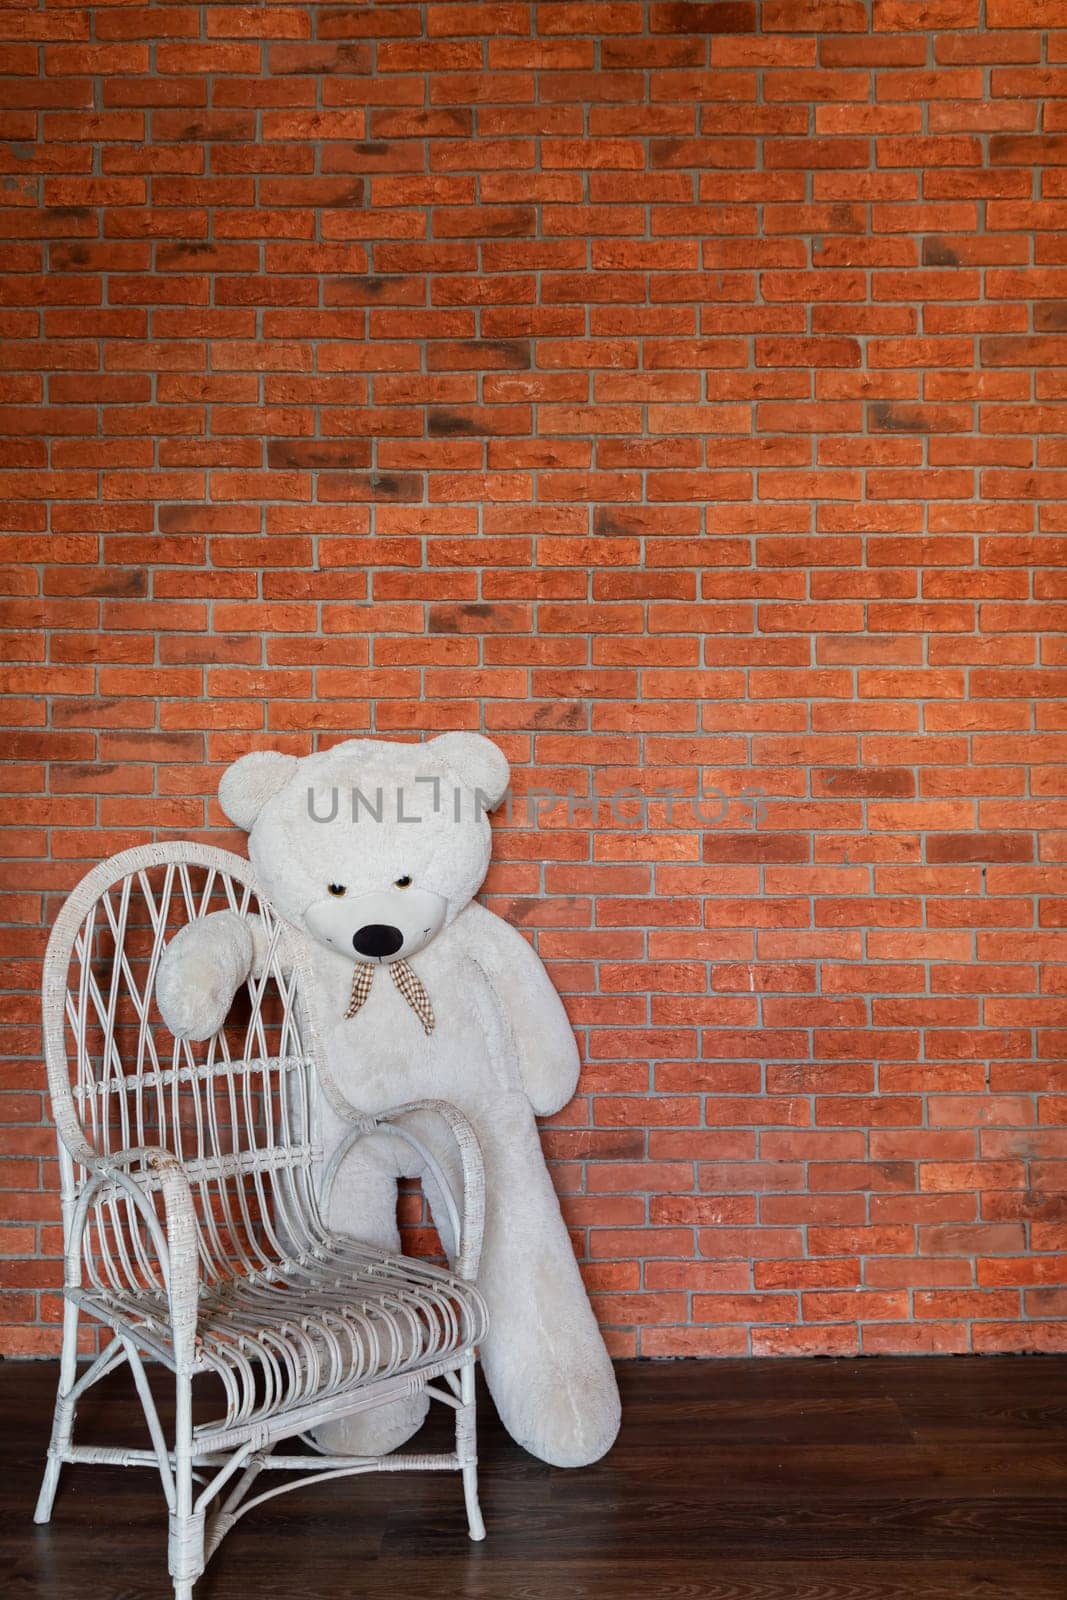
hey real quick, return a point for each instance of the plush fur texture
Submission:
(373, 851)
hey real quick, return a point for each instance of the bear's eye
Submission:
(402, 883)
(337, 889)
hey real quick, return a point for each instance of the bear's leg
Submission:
(362, 1204)
(544, 1358)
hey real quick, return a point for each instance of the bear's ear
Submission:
(477, 762)
(246, 787)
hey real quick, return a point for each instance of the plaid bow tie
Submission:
(406, 981)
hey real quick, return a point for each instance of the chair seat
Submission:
(304, 1329)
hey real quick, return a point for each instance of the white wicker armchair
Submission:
(194, 1217)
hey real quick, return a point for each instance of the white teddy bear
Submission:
(371, 853)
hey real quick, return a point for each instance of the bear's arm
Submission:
(548, 1054)
(201, 970)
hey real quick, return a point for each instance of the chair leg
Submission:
(467, 1448)
(63, 1419)
(186, 1543)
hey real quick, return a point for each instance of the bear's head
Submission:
(371, 847)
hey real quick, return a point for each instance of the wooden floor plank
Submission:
(926, 1479)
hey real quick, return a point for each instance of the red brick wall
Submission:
(661, 388)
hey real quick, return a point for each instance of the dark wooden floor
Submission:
(936, 1479)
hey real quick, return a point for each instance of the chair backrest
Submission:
(236, 1110)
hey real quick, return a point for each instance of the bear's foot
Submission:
(569, 1418)
(376, 1432)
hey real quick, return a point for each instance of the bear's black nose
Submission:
(377, 939)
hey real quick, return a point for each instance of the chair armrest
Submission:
(136, 1173)
(467, 1215)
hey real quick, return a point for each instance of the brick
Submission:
(858, 1305)
(838, 1340)
(688, 1341)
(747, 1308)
